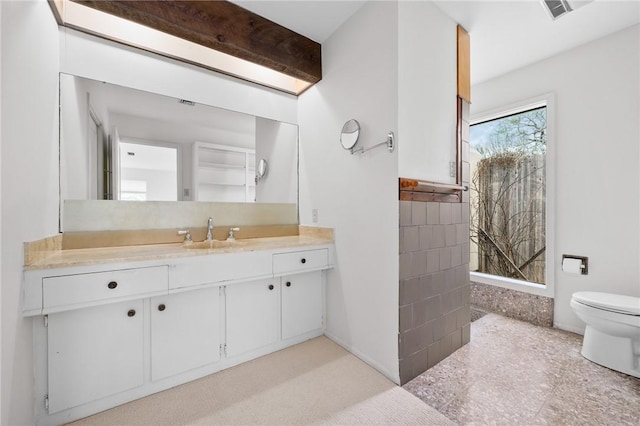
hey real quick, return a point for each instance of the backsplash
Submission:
(109, 215)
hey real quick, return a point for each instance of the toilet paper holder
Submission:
(584, 262)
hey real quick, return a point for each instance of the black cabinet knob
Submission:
(131, 313)
(288, 284)
(161, 307)
(112, 285)
(270, 286)
(303, 260)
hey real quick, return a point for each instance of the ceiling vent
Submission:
(556, 8)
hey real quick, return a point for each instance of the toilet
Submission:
(612, 336)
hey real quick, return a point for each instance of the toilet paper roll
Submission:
(571, 265)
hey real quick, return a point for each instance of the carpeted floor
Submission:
(316, 382)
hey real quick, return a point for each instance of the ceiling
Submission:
(505, 35)
(314, 19)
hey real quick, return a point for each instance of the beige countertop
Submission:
(46, 255)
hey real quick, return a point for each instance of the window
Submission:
(508, 195)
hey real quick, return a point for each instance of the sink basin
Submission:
(207, 245)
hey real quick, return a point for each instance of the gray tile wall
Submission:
(434, 283)
(434, 277)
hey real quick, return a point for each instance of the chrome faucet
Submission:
(187, 235)
(232, 237)
(209, 230)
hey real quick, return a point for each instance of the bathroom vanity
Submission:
(115, 324)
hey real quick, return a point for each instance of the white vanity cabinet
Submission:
(185, 331)
(107, 334)
(261, 313)
(300, 260)
(94, 352)
(253, 315)
(302, 304)
(71, 291)
(95, 332)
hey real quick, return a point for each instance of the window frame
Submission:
(547, 289)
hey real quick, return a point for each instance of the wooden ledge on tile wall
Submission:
(425, 191)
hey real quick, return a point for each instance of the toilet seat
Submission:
(617, 303)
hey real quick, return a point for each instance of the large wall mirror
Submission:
(119, 143)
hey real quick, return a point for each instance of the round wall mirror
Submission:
(262, 168)
(350, 133)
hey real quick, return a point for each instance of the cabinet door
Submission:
(94, 352)
(301, 303)
(253, 315)
(185, 331)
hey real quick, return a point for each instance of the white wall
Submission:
(1, 38)
(277, 143)
(182, 133)
(29, 180)
(597, 136)
(427, 88)
(75, 179)
(91, 57)
(357, 195)
(162, 185)
(80, 165)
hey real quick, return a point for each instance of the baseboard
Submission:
(393, 376)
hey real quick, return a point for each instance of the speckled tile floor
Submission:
(515, 373)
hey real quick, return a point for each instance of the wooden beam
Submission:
(464, 64)
(225, 27)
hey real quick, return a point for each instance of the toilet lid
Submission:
(611, 302)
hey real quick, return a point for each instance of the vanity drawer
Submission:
(300, 261)
(69, 290)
